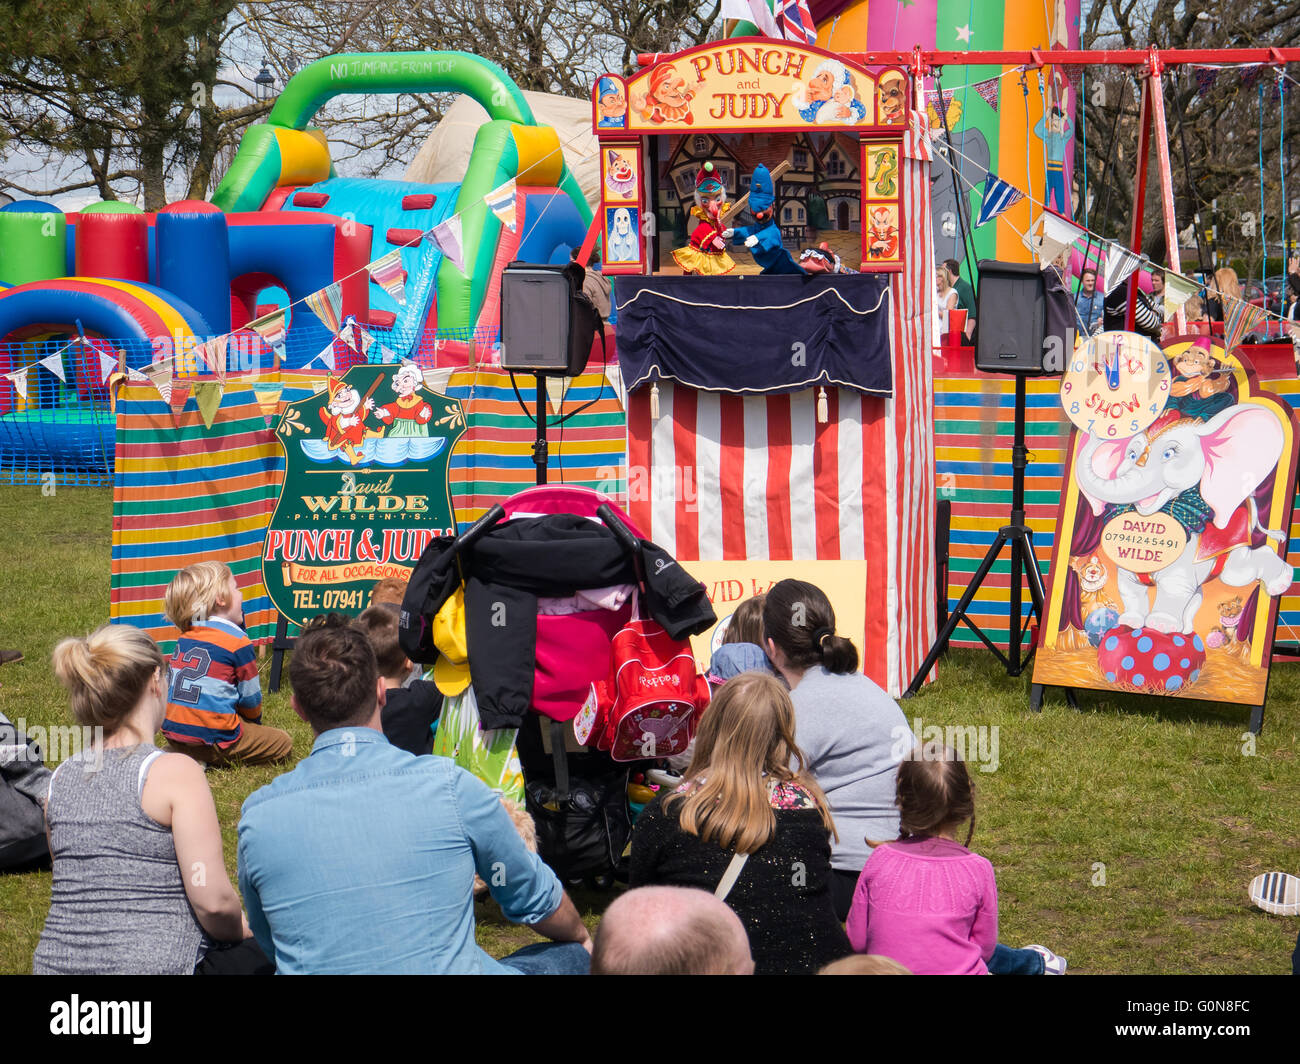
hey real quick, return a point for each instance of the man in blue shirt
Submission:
(362, 859)
(1091, 303)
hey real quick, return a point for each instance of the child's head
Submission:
(379, 625)
(200, 591)
(389, 590)
(746, 624)
(107, 673)
(935, 793)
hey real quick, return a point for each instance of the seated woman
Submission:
(743, 799)
(140, 884)
(853, 734)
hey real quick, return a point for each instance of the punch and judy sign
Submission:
(365, 488)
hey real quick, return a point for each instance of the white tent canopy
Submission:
(444, 156)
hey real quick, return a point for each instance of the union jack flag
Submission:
(796, 21)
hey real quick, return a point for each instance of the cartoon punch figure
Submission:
(345, 417)
(707, 252)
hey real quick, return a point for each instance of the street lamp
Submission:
(264, 81)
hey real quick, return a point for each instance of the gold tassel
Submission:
(654, 402)
(823, 414)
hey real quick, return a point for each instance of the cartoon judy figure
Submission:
(622, 236)
(409, 415)
(829, 96)
(611, 103)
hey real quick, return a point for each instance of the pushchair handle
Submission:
(621, 532)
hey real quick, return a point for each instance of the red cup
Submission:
(956, 324)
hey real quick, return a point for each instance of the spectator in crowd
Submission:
(362, 859)
(851, 733)
(1089, 300)
(1147, 321)
(214, 700)
(1222, 292)
(670, 931)
(926, 900)
(945, 299)
(410, 712)
(128, 827)
(389, 591)
(1158, 291)
(965, 294)
(595, 285)
(747, 814)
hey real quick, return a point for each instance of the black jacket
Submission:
(505, 572)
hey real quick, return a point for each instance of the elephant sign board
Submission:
(365, 488)
(1170, 557)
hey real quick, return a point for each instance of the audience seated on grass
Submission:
(928, 902)
(411, 707)
(214, 700)
(847, 727)
(670, 931)
(362, 858)
(128, 824)
(750, 823)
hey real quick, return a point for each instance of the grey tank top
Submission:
(118, 904)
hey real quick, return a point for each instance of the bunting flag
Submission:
(326, 355)
(207, 395)
(212, 353)
(386, 355)
(327, 304)
(1118, 264)
(796, 21)
(356, 336)
(1050, 235)
(19, 379)
(1178, 290)
(989, 91)
(1239, 320)
(998, 196)
(387, 272)
(268, 401)
(178, 397)
(447, 236)
(54, 363)
(436, 379)
(107, 365)
(501, 202)
(160, 376)
(136, 376)
(270, 327)
(555, 388)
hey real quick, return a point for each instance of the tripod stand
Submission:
(1024, 568)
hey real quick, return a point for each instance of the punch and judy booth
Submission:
(777, 356)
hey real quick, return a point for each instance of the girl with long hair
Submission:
(750, 814)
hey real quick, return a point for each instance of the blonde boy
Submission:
(214, 694)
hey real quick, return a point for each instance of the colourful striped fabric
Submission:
(184, 493)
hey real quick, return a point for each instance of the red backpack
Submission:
(649, 706)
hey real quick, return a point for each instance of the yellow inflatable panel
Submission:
(304, 156)
(541, 162)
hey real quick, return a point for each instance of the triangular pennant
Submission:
(555, 388)
(19, 380)
(387, 272)
(180, 394)
(615, 377)
(107, 365)
(386, 355)
(1178, 290)
(326, 355)
(998, 196)
(160, 376)
(268, 400)
(136, 376)
(448, 238)
(207, 396)
(327, 304)
(319, 386)
(436, 380)
(501, 202)
(989, 90)
(270, 327)
(212, 353)
(54, 363)
(1238, 320)
(1050, 235)
(1117, 266)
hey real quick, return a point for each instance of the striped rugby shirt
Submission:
(213, 682)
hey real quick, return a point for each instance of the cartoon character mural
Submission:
(949, 190)
(891, 98)
(410, 414)
(611, 103)
(620, 175)
(345, 420)
(829, 95)
(621, 245)
(882, 234)
(1056, 131)
(668, 99)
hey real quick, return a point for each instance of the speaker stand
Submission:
(1024, 568)
(541, 449)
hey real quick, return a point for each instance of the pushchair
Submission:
(584, 574)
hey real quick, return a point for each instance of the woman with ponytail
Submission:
(852, 733)
(140, 884)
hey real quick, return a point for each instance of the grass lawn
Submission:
(1123, 835)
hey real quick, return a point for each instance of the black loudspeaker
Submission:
(1025, 319)
(547, 324)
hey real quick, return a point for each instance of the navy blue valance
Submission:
(752, 335)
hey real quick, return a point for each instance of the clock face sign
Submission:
(1116, 385)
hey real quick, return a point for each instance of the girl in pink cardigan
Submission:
(926, 901)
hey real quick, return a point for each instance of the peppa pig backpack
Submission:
(649, 706)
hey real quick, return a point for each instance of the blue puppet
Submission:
(763, 238)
